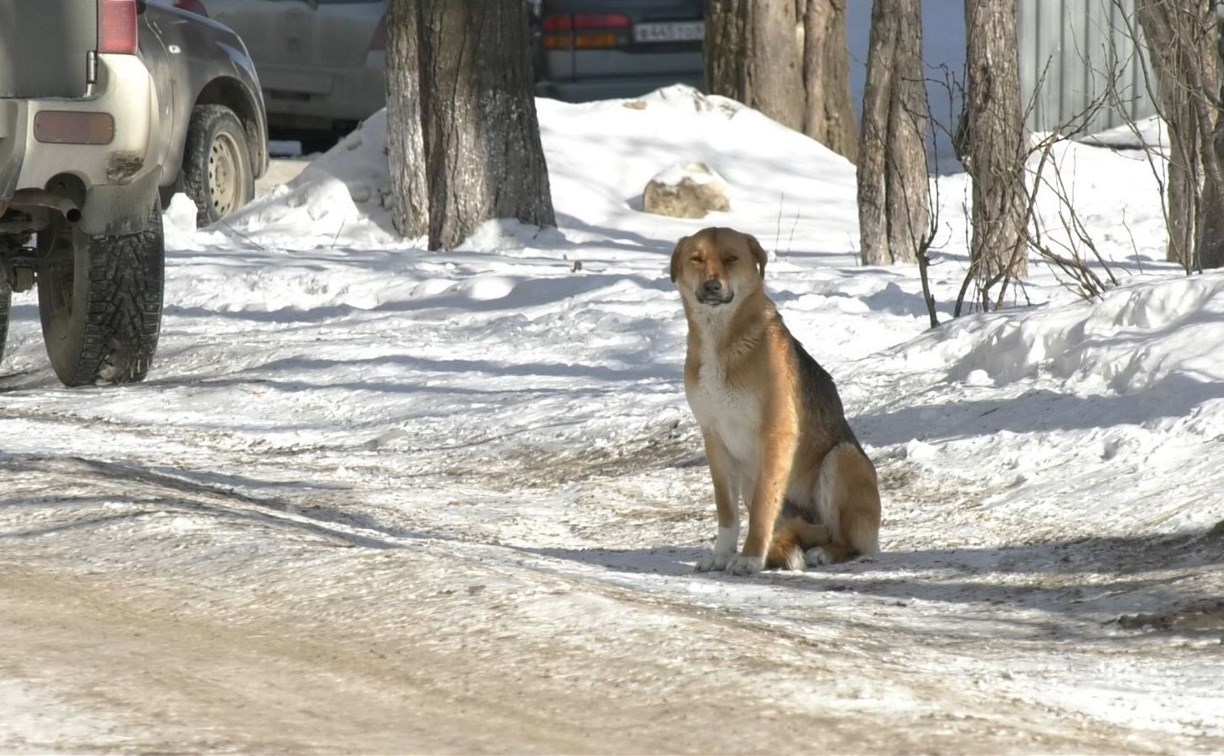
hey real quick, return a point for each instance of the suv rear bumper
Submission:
(119, 179)
(587, 90)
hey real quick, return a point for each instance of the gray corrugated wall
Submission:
(1070, 52)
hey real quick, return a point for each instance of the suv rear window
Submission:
(44, 47)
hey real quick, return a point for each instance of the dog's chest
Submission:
(729, 411)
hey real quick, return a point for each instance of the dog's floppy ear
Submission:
(675, 260)
(758, 253)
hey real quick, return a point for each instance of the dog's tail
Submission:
(792, 537)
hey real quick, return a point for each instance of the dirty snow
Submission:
(484, 457)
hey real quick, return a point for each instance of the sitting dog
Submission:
(774, 429)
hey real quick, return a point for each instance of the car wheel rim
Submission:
(224, 175)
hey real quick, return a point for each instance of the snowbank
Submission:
(343, 427)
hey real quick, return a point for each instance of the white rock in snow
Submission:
(686, 191)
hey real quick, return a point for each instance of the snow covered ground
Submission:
(377, 498)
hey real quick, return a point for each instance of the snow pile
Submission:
(504, 425)
(340, 199)
(600, 157)
(1136, 337)
(1147, 132)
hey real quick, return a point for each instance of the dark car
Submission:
(602, 49)
(106, 107)
(320, 61)
(214, 126)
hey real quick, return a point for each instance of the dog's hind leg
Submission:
(848, 498)
(793, 537)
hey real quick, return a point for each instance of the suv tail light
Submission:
(583, 31)
(379, 40)
(195, 6)
(117, 27)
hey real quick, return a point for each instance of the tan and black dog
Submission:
(774, 429)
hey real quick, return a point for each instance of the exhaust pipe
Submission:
(43, 198)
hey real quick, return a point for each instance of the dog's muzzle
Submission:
(712, 292)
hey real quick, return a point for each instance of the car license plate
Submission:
(676, 31)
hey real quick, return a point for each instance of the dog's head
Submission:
(715, 265)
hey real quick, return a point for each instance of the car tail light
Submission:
(195, 6)
(583, 21)
(568, 31)
(117, 26)
(379, 40)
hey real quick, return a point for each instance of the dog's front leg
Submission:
(777, 457)
(726, 499)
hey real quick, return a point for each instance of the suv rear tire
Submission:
(6, 304)
(100, 301)
(217, 171)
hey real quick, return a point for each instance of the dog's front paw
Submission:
(745, 565)
(715, 560)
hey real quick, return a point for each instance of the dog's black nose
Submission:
(712, 286)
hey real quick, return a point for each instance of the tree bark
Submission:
(405, 143)
(994, 141)
(829, 108)
(484, 159)
(1183, 38)
(752, 55)
(893, 201)
(787, 58)
(463, 136)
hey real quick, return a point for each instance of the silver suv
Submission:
(105, 106)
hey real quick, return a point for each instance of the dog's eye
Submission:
(696, 260)
(732, 259)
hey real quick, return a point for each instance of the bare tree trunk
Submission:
(405, 144)
(787, 58)
(1183, 39)
(893, 200)
(873, 139)
(752, 55)
(480, 137)
(994, 142)
(1209, 238)
(484, 159)
(829, 112)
